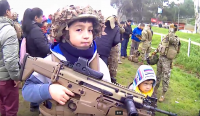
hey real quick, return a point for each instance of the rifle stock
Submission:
(92, 95)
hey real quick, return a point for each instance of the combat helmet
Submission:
(14, 16)
(153, 59)
(64, 17)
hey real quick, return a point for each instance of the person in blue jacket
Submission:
(75, 39)
(136, 38)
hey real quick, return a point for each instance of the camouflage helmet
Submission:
(14, 15)
(69, 14)
(153, 59)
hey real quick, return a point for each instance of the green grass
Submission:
(190, 64)
(193, 37)
(184, 88)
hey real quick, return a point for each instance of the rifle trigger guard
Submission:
(55, 73)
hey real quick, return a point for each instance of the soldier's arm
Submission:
(144, 36)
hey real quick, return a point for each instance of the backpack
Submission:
(22, 50)
(170, 46)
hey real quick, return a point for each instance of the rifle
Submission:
(92, 95)
(139, 37)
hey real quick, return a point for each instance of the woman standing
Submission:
(36, 42)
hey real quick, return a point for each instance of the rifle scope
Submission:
(130, 107)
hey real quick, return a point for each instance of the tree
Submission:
(144, 10)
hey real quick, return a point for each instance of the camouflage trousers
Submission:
(119, 53)
(113, 60)
(163, 72)
(134, 46)
(145, 50)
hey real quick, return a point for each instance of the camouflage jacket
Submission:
(9, 58)
(146, 35)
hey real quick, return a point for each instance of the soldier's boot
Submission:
(119, 62)
(162, 98)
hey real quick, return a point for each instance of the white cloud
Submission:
(50, 6)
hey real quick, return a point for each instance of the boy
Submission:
(74, 30)
(145, 80)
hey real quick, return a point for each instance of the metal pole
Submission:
(196, 5)
(178, 19)
(189, 43)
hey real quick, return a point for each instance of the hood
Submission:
(5, 21)
(144, 73)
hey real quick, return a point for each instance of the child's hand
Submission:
(59, 93)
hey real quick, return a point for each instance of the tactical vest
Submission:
(149, 37)
(170, 46)
(57, 109)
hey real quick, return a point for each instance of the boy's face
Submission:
(81, 34)
(146, 86)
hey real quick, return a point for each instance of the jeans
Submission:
(34, 106)
(124, 45)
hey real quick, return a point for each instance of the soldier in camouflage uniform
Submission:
(146, 43)
(113, 62)
(168, 49)
(113, 58)
(17, 25)
(122, 30)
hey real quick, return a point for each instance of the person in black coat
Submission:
(127, 34)
(36, 42)
(110, 39)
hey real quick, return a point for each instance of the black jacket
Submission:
(36, 42)
(106, 42)
(128, 31)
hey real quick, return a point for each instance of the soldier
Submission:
(146, 43)
(168, 49)
(122, 30)
(113, 62)
(17, 25)
(113, 57)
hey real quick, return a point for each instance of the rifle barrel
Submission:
(159, 110)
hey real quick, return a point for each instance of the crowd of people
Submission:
(70, 33)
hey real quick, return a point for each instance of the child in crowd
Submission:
(75, 35)
(145, 80)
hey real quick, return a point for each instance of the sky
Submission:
(50, 6)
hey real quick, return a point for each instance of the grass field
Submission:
(184, 89)
(193, 37)
(183, 96)
(190, 64)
